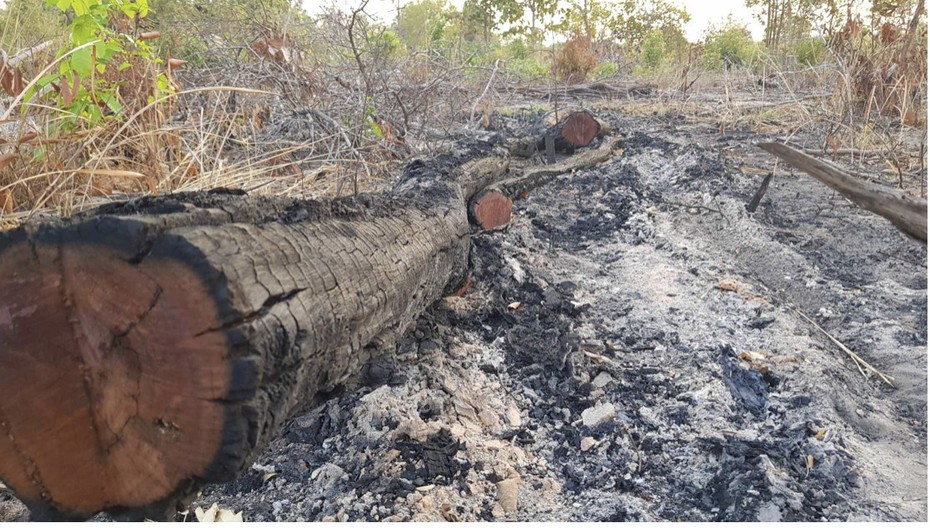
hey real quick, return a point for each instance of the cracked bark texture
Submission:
(150, 346)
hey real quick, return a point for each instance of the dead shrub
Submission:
(576, 60)
(885, 63)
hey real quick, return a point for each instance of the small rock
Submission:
(327, 476)
(256, 466)
(277, 507)
(507, 491)
(512, 415)
(489, 419)
(854, 480)
(414, 498)
(587, 443)
(769, 512)
(602, 380)
(426, 504)
(600, 413)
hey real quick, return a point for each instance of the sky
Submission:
(703, 13)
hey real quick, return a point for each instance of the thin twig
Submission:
(860, 363)
(474, 107)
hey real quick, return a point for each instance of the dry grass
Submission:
(264, 121)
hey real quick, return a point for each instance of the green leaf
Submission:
(45, 80)
(41, 83)
(162, 83)
(82, 61)
(105, 51)
(375, 129)
(83, 30)
(81, 7)
(112, 102)
(93, 112)
(130, 9)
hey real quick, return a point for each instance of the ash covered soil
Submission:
(631, 349)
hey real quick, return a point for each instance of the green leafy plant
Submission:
(810, 52)
(605, 70)
(384, 42)
(732, 46)
(374, 130)
(100, 57)
(652, 54)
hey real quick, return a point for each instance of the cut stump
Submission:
(492, 207)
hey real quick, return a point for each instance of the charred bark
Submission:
(150, 346)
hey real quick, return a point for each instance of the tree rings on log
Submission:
(490, 209)
(566, 130)
(578, 129)
(111, 356)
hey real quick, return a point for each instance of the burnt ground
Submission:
(630, 350)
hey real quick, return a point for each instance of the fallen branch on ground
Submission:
(760, 192)
(596, 89)
(907, 213)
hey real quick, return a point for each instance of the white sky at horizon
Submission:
(703, 13)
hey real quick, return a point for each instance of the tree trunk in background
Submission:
(151, 346)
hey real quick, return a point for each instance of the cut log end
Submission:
(491, 210)
(110, 355)
(580, 129)
(564, 131)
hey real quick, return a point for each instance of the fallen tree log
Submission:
(151, 346)
(907, 213)
(492, 206)
(595, 89)
(565, 130)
